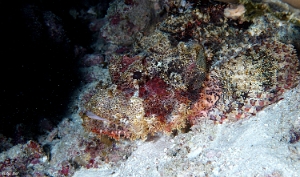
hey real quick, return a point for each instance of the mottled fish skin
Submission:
(194, 66)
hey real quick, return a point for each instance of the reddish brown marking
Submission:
(247, 109)
(261, 103)
(238, 116)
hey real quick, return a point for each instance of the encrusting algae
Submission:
(195, 65)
